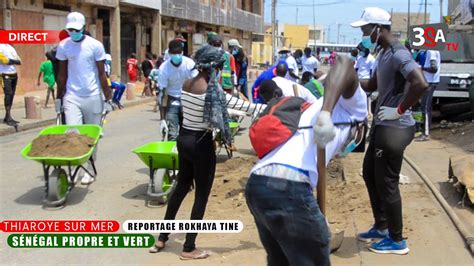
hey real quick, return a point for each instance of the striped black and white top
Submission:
(193, 109)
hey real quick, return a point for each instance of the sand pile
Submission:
(64, 145)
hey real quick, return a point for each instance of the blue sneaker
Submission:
(372, 235)
(388, 246)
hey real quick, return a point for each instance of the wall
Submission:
(296, 36)
(31, 55)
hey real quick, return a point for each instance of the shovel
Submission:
(337, 236)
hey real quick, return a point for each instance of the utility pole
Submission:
(296, 16)
(426, 3)
(329, 34)
(343, 38)
(408, 20)
(338, 31)
(274, 31)
(314, 26)
(440, 11)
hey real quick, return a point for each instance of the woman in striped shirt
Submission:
(204, 106)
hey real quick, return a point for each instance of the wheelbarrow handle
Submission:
(321, 188)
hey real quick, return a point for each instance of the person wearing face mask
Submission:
(365, 63)
(400, 84)
(204, 106)
(82, 78)
(285, 54)
(172, 74)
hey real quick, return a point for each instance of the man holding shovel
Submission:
(279, 192)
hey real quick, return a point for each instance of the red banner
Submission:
(29, 36)
(72, 226)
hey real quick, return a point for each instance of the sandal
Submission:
(155, 248)
(203, 254)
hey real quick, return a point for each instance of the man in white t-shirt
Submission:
(279, 192)
(310, 63)
(285, 54)
(364, 65)
(8, 79)
(287, 86)
(431, 70)
(82, 78)
(172, 75)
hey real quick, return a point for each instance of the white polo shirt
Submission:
(82, 72)
(172, 78)
(287, 88)
(364, 66)
(300, 151)
(432, 55)
(309, 64)
(291, 61)
(9, 52)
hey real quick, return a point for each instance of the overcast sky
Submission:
(330, 12)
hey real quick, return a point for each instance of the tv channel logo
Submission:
(432, 37)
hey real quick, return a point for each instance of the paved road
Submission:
(119, 193)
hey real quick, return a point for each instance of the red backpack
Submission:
(276, 124)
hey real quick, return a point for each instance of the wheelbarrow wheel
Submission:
(57, 187)
(159, 178)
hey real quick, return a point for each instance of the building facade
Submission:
(131, 26)
(232, 19)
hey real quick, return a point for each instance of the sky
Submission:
(328, 13)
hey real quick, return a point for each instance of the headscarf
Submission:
(215, 109)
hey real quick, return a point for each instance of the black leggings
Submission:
(197, 160)
(381, 170)
(9, 88)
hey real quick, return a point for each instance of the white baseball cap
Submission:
(234, 42)
(373, 15)
(108, 57)
(75, 20)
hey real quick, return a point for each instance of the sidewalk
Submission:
(49, 114)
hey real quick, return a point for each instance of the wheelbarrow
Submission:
(234, 128)
(60, 172)
(161, 158)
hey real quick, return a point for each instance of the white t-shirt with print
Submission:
(432, 55)
(286, 87)
(82, 72)
(9, 52)
(291, 61)
(365, 66)
(172, 78)
(309, 64)
(300, 151)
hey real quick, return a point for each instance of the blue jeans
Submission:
(291, 227)
(173, 117)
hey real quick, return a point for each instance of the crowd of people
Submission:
(196, 95)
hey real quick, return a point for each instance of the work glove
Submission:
(163, 127)
(108, 107)
(388, 113)
(324, 130)
(58, 106)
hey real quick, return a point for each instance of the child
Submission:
(46, 68)
(119, 88)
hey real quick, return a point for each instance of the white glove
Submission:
(388, 113)
(58, 106)
(163, 126)
(108, 107)
(324, 131)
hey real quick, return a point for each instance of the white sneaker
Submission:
(87, 179)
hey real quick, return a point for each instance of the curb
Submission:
(47, 122)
